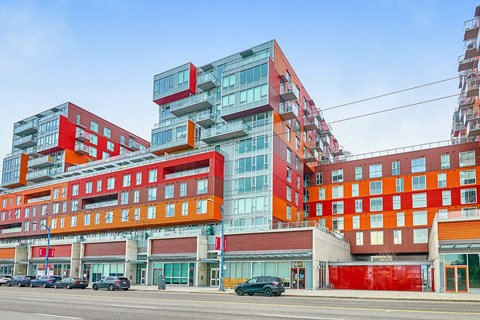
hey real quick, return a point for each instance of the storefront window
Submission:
(455, 259)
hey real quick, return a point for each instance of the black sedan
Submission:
(71, 283)
(45, 281)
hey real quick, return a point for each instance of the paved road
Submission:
(44, 304)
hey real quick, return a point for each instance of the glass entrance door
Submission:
(298, 278)
(456, 279)
(214, 277)
(143, 276)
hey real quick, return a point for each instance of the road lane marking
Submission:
(130, 306)
(57, 316)
(38, 300)
(297, 317)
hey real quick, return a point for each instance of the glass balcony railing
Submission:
(224, 132)
(288, 110)
(82, 148)
(82, 135)
(289, 92)
(41, 162)
(26, 128)
(26, 141)
(192, 104)
(207, 81)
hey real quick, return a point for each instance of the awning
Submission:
(184, 257)
(50, 260)
(260, 255)
(7, 261)
(104, 259)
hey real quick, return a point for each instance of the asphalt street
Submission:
(42, 304)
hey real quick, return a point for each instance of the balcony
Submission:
(32, 151)
(473, 129)
(316, 145)
(338, 151)
(40, 175)
(288, 110)
(206, 119)
(471, 29)
(81, 135)
(25, 142)
(41, 162)
(310, 156)
(466, 64)
(26, 128)
(133, 145)
(289, 92)
(207, 81)
(325, 140)
(101, 204)
(311, 123)
(82, 148)
(472, 88)
(464, 101)
(224, 132)
(192, 104)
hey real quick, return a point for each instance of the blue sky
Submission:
(103, 54)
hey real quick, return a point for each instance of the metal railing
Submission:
(458, 214)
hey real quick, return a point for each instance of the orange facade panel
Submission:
(7, 253)
(459, 230)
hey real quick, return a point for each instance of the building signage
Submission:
(218, 242)
(42, 253)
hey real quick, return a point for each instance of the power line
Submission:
(390, 93)
(392, 109)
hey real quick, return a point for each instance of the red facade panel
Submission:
(105, 249)
(398, 278)
(60, 251)
(180, 245)
(294, 240)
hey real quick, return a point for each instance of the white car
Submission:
(4, 279)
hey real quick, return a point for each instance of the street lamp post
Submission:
(222, 246)
(48, 249)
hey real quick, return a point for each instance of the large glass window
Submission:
(399, 185)
(376, 238)
(445, 161)
(419, 182)
(152, 175)
(376, 187)
(375, 170)
(319, 209)
(358, 205)
(152, 193)
(359, 238)
(419, 165)
(376, 204)
(420, 236)
(358, 173)
(337, 223)
(356, 222)
(419, 218)
(201, 206)
(397, 236)
(467, 177)
(337, 175)
(468, 196)
(337, 207)
(337, 192)
(202, 186)
(395, 168)
(170, 210)
(376, 220)
(397, 202)
(442, 180)
(400, 219)
(355, 189)
(419, 200)
(446, 198)
(169, 191)
(467, 158)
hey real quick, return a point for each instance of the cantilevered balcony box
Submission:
(175, 84)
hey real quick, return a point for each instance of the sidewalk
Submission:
(350, 294)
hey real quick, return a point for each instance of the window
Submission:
(124, 198)
(99, 185)
(337, 207)
(288, 212)
(445, 161)
(86, 219)
(92, 152)
(202, 186)
(358, 173)
(136, 214)
(467, 158)
(126, 180)
(55, 193)
(55, 208)
(397, 236)
(337, 175)
(201, 206)
(152, 194)
(75, 188)
(355, 190)
(356, 222)
(110, 146)
(358, 205)
(376, 238)
(419, 200)
(136, 196)
(337, 223)
(152, 212)
(376, 204)
(298, 182)
(287, 133)
(419, 218)
(418, 165)
(397, 202)
(297, 162)
(93, 139)
(395, 168)
(319, 178)
(337, 192)
(467, 177)
(446, 198)
(319, 209)
(359, 238)
(94, 126)
(183, 189)
(289, 193)
(420, 236)
(170, 210)
(138, 178)
(78, 118)
(419, 183)
(289, 174)
(184, 208)
(97, 218)
(109, 217)
(62, 223)
(110, 183)
(321, 193)
(442, 180)
(376, 221)
(400, 219)
(468, 196)
(375, 170)
(74, 205)
(88, 187)
(376, 187)
(152, 175)
(289, 156)
(124, 215)
(183, 76)
(399, 186)
(107, 132)
(169, 191)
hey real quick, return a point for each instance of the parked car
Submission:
(267, 285)
(5, 278)
(112, 283)
(45, 281)
(20, 281)
(71, 283)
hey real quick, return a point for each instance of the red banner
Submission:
(42, 252)
(218, 242)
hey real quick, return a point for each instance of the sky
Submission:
(102, 55)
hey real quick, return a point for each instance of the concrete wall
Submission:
(130, 258)
(21, 256)
(76, 262)
(201, 267)
(434, 255)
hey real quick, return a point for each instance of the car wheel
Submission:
(111, 287)
(240, 291)
(268, 292)
(44, 285)
(250, 294)
(95, 287)
(125, 289)
(277, 294)
(8, 284)
(69, 287)
(19, 284)
(55, 286)
(31, 285)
